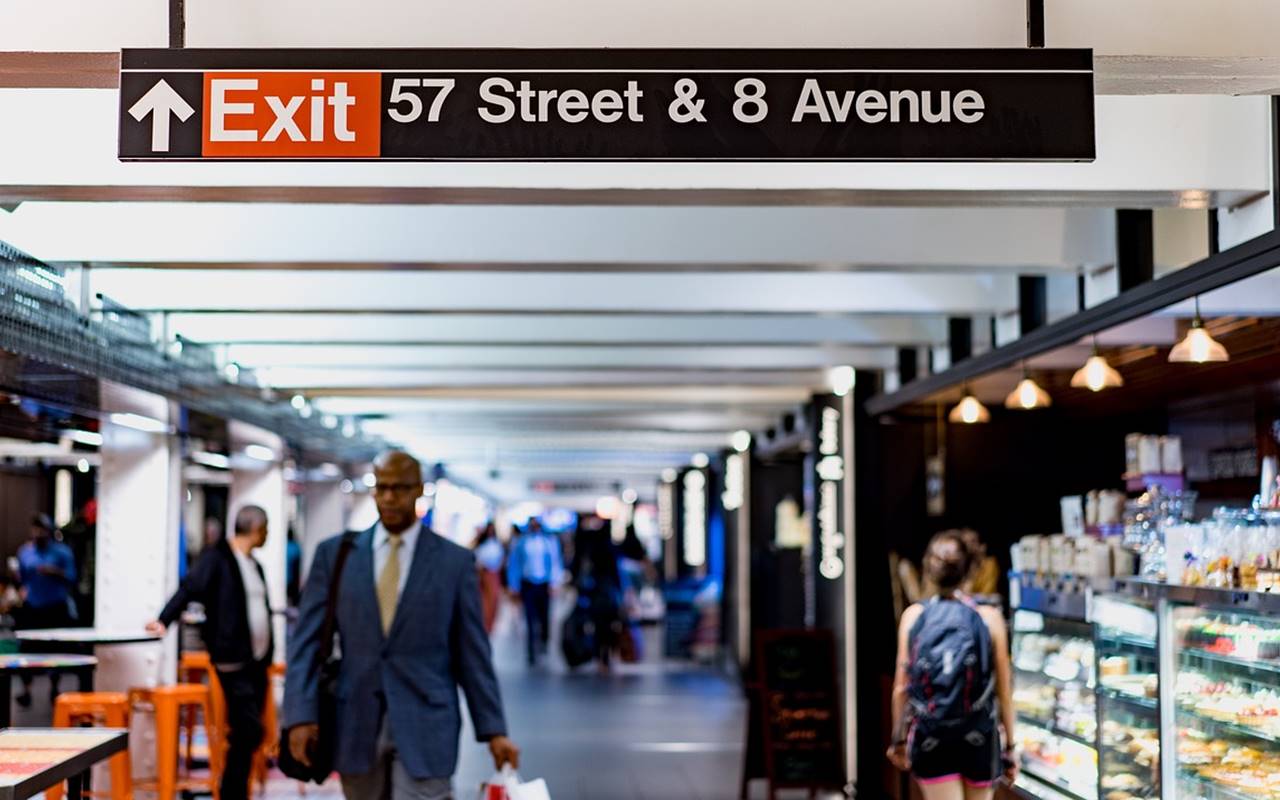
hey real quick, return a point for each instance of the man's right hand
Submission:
(156, 628)
(302, 740)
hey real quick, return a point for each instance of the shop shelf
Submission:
(1056, 731)
(1031, 673)
(1211, 790)
(1046, 775)
(1220, 728)
(1195, 654)
(1131, 700)
(1125, 640)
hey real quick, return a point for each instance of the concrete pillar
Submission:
(139, 493)
(323, 515)
(260, 482)
(363, 512)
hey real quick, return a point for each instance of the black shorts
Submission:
(970, 753)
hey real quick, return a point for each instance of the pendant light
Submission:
(1096, 374)
(1198, 347)
(1027, 395)
(969, 411)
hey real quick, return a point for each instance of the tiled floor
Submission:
(650, 731)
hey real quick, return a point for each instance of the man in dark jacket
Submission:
(229, 582)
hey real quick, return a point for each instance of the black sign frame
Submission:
(1036, 104)
(765, 754)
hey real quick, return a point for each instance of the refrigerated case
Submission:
(1128, 695)
(1054, 682)
(1220, 687)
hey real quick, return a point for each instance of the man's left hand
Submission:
(504, 751)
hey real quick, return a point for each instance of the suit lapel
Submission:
(420, 580)
(359, 571)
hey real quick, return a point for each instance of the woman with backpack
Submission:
(952, 683)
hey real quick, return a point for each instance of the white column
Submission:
(255, 481)
(363, 512)
(139, 486)
(323, 515)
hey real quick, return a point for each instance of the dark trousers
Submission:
(245, 690)
(537, 615)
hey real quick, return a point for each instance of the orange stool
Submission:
(196, 667)
(99, 708)
(169, 703)
(270, 747)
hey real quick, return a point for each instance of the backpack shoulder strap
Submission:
(329, 628)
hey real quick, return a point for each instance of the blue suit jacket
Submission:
(437, 644)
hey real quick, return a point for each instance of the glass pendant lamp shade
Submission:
(1027, 396)
(969, 411)
(1198, 347)
(1096, 375)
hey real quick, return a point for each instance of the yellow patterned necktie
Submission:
(389, 582)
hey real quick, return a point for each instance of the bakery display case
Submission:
(1128, 697)
(1227, 694)
(1218, 691)
(1054, 681)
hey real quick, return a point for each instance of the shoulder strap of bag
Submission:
(329, 628)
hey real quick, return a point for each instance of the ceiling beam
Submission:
(1113, 74)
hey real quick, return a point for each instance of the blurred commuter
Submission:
(952, 686)
(229, 582)
(489, 557)
(534, 568)
(596, 574)
(213, 532)
(408, 617)
(47, 569)
(984, 576)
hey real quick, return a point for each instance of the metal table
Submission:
(20, 664)
(34, 759)
(82, 639)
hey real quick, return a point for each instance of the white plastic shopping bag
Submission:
(506, 785)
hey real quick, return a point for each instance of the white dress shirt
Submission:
(382, 549)
(255, 598)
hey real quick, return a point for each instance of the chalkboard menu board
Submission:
(796, 737)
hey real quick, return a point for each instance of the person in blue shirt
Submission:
(47, 570)
(534, 568)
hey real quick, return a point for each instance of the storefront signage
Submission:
(831, 475)
(734, 483)
(666, 510)
(607, 105)
(694, 505)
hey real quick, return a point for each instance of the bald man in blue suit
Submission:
(412, 633)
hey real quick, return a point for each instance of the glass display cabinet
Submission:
(1054, 680)
(1218, 691)
(1125, 639)
(1227, 697)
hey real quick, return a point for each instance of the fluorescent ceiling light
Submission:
(139, 423)
(260, 452)
(215, 460)
(88, 438)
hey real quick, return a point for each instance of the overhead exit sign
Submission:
(607, 105)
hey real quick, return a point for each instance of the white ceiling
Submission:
(596, 323)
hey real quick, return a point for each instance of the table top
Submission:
(33, 759)
(86, 636)
(18, 662)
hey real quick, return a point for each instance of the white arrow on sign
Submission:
(160, 101)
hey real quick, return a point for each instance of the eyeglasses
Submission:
(395, 488)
